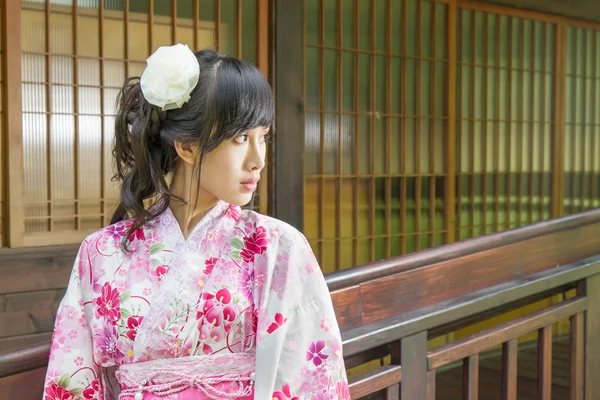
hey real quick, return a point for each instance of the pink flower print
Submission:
(210, 265)
(138, 234)
(326, 324)
(152, 238)
(132, 324)
(73, 334)
(309, 268)
(246, 283)
(177, 348)
(147, 291)
(160, 271)
(115, 231)
(107, 340)
(91, 390)
(314, 353)
(55, 392)
(342, 390)
(284, 394)
(83, 322)
(233, 212)
(274, 235)
(322, 396)
(69, 312)
(333, 350)
(206, 349)
(292, 345)
(108, 304)
(279, 320)
(79, 361)
(254, 320)
(255, 243)
(280, 275)
(223, 296)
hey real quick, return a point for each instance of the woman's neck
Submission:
(196, 202)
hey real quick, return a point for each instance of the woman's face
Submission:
(231, 171)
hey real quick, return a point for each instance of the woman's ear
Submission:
(187, 152)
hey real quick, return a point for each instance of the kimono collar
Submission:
(215, 213)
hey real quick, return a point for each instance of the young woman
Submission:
(185, 295)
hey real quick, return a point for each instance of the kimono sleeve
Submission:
(72, 372)
(298, 346)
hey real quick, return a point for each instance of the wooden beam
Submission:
(592, 338)
(288, 171)
(13, 145)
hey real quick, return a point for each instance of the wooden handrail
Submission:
(369, 336)
(24, 359)
(362, 273)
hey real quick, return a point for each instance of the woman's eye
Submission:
(241, 139)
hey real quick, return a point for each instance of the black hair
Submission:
(231, 96)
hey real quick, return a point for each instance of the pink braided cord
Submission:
(202, 383)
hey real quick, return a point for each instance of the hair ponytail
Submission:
(142, 157)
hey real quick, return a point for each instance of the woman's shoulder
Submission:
(279, 233)
(271, 223)
(110, 236)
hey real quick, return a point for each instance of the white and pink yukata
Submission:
(238, 310)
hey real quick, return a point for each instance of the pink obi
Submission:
(228, 376)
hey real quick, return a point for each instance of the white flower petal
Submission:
(171, 74)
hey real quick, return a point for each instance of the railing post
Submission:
(592, 338)
(414, 366)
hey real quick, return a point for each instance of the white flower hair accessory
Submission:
(170, 76)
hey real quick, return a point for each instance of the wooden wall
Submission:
(32, 285)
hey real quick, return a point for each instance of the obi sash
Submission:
(228, 376)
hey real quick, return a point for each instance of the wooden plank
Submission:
(456, 250)
(504, 332)
(45, 299)
(577, 357)
(13, 138)
(37, 274)
(424, 287)
(471, 377)
(24, 323)
(545, 363)
(372, 335)
(592, 339)
(19, 342)
(370, 382)
(288, 172)
(431, 382)
(509, 370)
(414, 366)
(347, 304)
(27, 385)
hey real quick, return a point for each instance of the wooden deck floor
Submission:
(449, 383)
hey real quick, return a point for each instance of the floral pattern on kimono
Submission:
(241, 282)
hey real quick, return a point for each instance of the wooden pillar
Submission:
(288, 71)
(414, 366)
(13, 145)
(592, 339)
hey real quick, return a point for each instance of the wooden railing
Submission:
(392, 308)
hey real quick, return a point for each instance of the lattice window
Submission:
(75, 57)
(376, 75)
(505, 121)
(582, 122)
